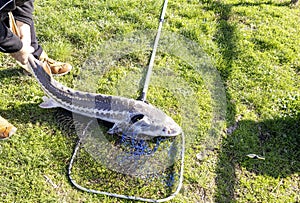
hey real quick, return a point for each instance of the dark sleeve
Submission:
(24, 12)
(9, 43)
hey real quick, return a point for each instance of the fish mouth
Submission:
(175, 132)
(171, 131)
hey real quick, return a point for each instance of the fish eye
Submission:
(136, 118)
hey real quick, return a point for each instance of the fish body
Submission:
(130, 117)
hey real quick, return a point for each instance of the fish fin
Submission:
(48, 103)
(111, 131)
(115, 129)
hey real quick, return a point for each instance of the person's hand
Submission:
(25, 36)
(22, 55)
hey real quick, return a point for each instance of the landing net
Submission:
(184, 84)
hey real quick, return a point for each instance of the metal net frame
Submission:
(138, 148)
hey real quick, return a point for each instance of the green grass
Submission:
(254, 45)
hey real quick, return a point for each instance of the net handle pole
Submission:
(151, 63)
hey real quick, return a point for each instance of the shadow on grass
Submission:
(7, 73)
(31, 114)
(25, 113)
(287, 3)
(226, 39)
(276, 140)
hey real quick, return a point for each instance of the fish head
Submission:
(142, 125)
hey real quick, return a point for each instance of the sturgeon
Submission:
(133, 118)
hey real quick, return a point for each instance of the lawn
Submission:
(228, 71)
